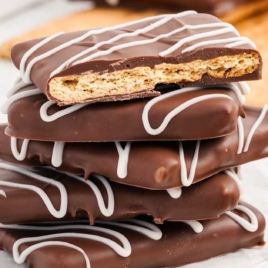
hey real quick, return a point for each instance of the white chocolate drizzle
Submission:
(236, 178)
(19, 84)
(195, 225)
(56, 213)
(20, 156)
(239, 172)
(229, 28)
(57, 154)
(233, 41)
(25, 74)
(175, 192)
(3, 193)
(185, 179)
(221, 28)
(251, 226)
(255, 126)
(243, 145)
(182, 107)
(123, 159)
(241, 135)
(18, 96)
(118, 37)
(107, 212)
(145, 228)
(49, 118)
(245, 88)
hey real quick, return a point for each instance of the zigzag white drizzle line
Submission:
(255, 126)
(26, 74)
(106, 211)
(57, 153)
(3, 193)
(251, 226)
(175, 192)
(185, 179)
(178, 109)
(56, 213)
(235, 41)
(18, 96)
(152, 232)
(145, 228)
(18, 84)
(49, 118)
(22, 155)
(242, 145)
(228, 28)
(124, 251)
(30, 52)
(120, 36)
(123, 159)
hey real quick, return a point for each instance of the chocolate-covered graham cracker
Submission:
(131, 244)
(127, 61)
(100, 199)
(216, 7)
(152, 165)
(178, 114)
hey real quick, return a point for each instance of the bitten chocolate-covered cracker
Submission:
(152, 165)
(132, 244)
(127, 61)
(100, 199)
(179, 114)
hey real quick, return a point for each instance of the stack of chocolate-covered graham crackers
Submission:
(124, 144)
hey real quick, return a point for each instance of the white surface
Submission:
(256, 174)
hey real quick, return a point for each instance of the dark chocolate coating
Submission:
(132, 57)
(153, 165)
(178, 246)
(194, 203)
(215, 7)
(121, 121)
